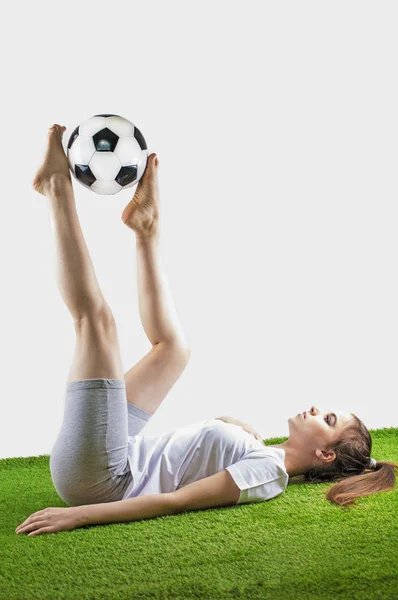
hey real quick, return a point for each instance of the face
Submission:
(316, 428)
(309, 435)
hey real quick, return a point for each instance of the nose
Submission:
(313, 410)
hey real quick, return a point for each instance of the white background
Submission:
(276, 125)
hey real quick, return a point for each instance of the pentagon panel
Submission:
(105, 140)
(127, 175)
(84, 175)
(140, 171)
(106, 116)
(73, 136)
(140, 138)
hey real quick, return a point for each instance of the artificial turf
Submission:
(295, 546)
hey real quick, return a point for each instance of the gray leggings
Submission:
(88, 462)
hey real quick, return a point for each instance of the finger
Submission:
(39, 513)
(27, 521)
(33, 525)
(22, 525)
(42, 530)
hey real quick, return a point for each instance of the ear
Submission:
(326, 456)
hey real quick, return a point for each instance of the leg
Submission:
(89, 461)
(77, 281)
(150, 380)
(97, 352)
(76, 277)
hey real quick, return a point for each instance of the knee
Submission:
(101, 317)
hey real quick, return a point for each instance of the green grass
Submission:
(297, 545)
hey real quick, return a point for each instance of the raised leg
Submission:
(97, 352)
(75, 272)
(150, 380)
(77, 281)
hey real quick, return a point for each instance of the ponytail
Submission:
(380, 479)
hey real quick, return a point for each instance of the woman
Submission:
(100, 465)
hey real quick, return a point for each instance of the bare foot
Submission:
(142, 212)
(55, 162)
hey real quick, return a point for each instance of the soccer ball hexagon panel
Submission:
(107, 153)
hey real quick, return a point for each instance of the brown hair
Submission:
(350, 468)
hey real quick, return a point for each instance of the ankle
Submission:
(150, 238)
(59, 181)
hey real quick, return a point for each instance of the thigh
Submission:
(97, 352)
(89, 461)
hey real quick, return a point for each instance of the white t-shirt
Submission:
(167, 462)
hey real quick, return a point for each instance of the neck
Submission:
(295, 463)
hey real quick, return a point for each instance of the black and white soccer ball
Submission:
(107, 153)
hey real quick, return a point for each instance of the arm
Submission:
(210, 492)
(131, 509)
(217, 490)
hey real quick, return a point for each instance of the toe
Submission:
(56, 133)
(57, 128)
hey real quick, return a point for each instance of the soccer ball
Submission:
(107, 153)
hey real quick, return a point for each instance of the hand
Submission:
(243, 426)
(51, 520)
(250, 430)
